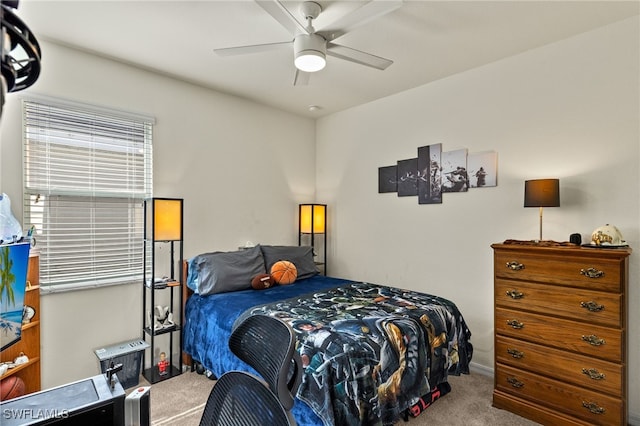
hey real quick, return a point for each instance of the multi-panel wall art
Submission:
(434, 172)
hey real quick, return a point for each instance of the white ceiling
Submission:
(427, 40)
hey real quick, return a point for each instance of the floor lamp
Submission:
(312, 221)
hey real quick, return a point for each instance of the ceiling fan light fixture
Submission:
(310, 52)
(310, 61)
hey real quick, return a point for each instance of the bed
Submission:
(373, 354)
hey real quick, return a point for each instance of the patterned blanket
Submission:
(371, 352)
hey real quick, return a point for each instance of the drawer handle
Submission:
(592, 306)
(515, 294)
(593, 374)
(515, 324)
(593, 407)
(515, 266)
(515, 382)
(592, 273)
(593, 340)
(515, 353)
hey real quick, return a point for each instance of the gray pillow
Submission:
(302, 257)
(222, 272)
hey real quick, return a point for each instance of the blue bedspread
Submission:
(371, 351)
(207, 341)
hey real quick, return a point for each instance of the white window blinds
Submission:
(86, 174)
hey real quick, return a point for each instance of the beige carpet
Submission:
(179, 402)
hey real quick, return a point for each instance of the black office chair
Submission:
(241, 399)
(268, 345)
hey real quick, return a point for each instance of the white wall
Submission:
(240, 167)
(569, 110)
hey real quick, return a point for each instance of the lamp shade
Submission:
(312, 216)
(542, 193)
(167, 220)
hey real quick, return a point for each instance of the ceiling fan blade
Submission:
(353, 55)
(254, 48)
(283, 16)
(367, 12)
(301, 78)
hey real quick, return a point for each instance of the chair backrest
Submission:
(268, 345)
(241, 399)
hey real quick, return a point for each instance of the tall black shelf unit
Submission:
(163, 228)
(312, 231)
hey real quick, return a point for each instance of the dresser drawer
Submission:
(601, 274)
(574, 303)
(590, 405)
(579, 370)
(586, 339)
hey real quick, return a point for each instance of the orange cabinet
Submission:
(29, 343)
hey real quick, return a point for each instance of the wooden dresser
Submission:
(561, 333)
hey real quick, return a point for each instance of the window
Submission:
(86, 174)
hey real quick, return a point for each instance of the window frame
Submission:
(110, 178)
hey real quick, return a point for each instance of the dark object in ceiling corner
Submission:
(19, 52)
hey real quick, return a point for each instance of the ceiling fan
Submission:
(310, 46)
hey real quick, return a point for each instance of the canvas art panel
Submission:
(430, 174)
(408, 177)
(455, 177)
(387, 179)
(483, 169)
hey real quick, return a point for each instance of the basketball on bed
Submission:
(284, 272)
(11, 387)
(261, 281)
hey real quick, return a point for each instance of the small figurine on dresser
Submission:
(21, 359)
(27, 314)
